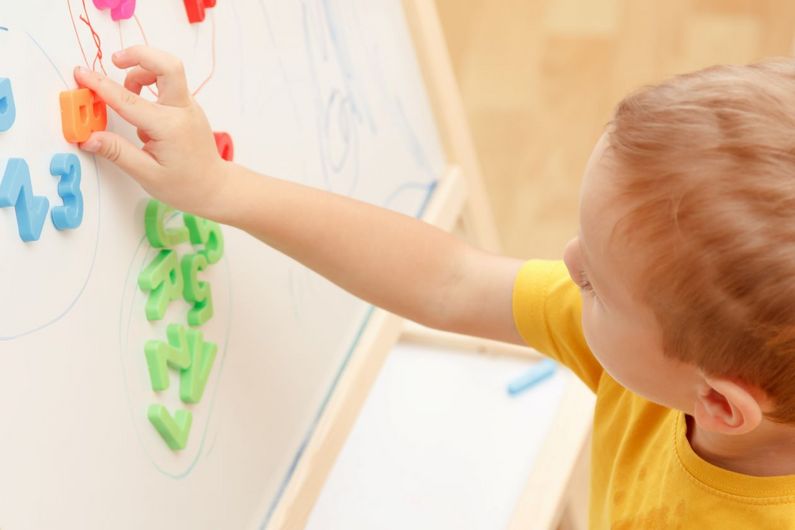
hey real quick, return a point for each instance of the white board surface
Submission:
(326, 93)
(439, 444)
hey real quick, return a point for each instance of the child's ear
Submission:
(727, 407)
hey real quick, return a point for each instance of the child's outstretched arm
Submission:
(391, 260)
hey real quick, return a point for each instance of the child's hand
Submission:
(179, 163)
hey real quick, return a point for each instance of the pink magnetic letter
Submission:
(119, 9)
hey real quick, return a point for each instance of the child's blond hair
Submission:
(706, 162)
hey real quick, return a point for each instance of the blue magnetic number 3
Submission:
(16, 191)
(8, 111)
(70, 215)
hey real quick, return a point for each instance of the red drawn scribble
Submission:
(84, 18)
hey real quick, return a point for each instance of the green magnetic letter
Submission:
(173, 430)
(207, 233)
(194, 378)
(196, 292)
(162, 279)
(155, 223)
(161, 355)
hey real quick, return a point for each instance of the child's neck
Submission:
(767, 451)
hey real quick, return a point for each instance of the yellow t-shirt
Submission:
(644, 474)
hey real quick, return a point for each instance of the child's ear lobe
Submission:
(726, 407)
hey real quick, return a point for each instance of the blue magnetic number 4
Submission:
(16, 191)
(70, 215)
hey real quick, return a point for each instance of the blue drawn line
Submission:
(63, 79)
(283, 70)
(343, 58)
(214, 442)
(420, 157)
(279, 60)
(393, 100)
(344, 61)
(322, 118)
(348, 133)
(316, 83)
(427, 187)
(3, 28)
(99, 225)
(428, 197)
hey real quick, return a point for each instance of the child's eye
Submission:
(583, 282)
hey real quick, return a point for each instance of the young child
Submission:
(676, 303)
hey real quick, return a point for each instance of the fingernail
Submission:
(83, 70)
(91, 145)
(118, 55)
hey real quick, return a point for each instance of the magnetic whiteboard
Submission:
(326, 93)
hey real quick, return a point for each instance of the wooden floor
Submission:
(540, 78)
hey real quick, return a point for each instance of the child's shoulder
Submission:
(547, 311)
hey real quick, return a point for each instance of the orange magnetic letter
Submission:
(81, 114)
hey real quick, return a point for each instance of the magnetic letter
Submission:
(119, 9)
(155, 220)
(193, 380)
(162, 279)
(207, 233)
(195, 291)
(82, 113)
(195, 9)
(223, 142)
(173, 430)
(161, 355)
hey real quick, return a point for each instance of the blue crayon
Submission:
(539, 371)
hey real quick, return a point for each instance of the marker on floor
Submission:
(537, 373)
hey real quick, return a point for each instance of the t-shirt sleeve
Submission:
(547, 310)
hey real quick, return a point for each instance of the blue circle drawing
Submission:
(81, 290)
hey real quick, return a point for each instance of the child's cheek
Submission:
(597, 334)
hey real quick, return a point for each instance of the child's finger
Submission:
(136, 162)
(130, 106)
(137, 78)
(171, 83)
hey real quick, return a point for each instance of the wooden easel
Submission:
(460, 201)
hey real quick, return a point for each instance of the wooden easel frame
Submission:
(460, 198)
